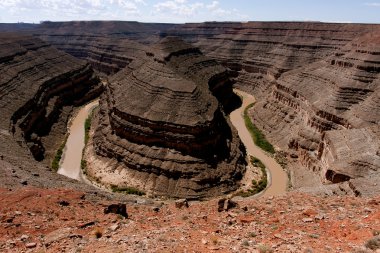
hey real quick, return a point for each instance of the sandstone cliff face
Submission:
(167, 132)
(329, 111)
(39, 85)
(105, 54)
(309, 78)
(108, 46)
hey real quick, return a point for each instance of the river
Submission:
(277, 178)
(70, 164)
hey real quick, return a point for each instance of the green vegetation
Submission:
(257, 136)
(87, 126)
(127, 190)
(58, 156)
(257, 186)
(83, 166)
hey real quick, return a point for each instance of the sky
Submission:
(182, 11)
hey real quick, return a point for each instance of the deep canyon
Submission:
(163, 125)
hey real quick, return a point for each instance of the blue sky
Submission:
(180, 11)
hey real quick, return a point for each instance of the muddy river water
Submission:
(277, 177)
(70, 165)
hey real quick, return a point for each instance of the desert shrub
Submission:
(373, 243)
(257, 136)
(264, 249)
(58, 156)
(127, 190)
(257, 186)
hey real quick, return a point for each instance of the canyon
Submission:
(164, 131)
(287, 66)
(163, 125)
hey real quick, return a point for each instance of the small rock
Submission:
(307, 220)
(57, 235)
(226, 204)
(309, 212)
(232, 214)
(117, 209)
(319, 217)
(17, 213)
(31, 245)
(181, 203)
(156, 209)
(114, 227)
(24, 182)
(24, 237)
(204, 241)
(247, 219)
(87, 224)
(63, 203)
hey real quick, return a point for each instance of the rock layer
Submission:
(108, 46)
(329, 113)
(38, 86)
(167, 132)
(107, 55)
(310, 79)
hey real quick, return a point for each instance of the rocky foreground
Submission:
(62, 220)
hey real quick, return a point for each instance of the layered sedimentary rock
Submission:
(310, 78)
(107, 55)
(329, 112)
(163, 131)
(116, 29)
(38, 87)
(108, 46)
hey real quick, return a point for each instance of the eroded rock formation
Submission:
(108, 46)
(107, 55)
(329, 112)
(38, 86)
(163, 131)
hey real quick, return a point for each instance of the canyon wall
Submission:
(39, 85)
(161, 129)
(309, 78)
(317, 87)
(108, 46)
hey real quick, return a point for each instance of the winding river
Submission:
(70, 165)
(277, 178)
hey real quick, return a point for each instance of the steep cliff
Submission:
(162, 129)
(105, 54)
(38, 86)
(108, 46)
(309, 78)
(332, 104)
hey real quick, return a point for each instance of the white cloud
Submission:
(373, 4)
(213, 5)
(176, 11)
(178, 7)
(73, 8)
(182, 10)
